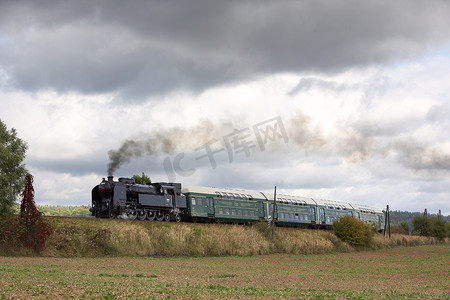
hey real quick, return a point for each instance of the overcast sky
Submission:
(342, 100)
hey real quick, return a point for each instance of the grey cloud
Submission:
(355, 147)
(307, 83)
(416, 156)
(145, 48)
(81, 166)
(439, 113)
(307, 136)
(363, 141)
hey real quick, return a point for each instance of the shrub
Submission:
(353, 231)
(405, 227)
(399, 230)
(8, 230)
(402, 228)
(426, 226)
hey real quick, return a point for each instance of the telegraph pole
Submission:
(387, 222)
(274, 210)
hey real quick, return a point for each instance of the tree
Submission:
(12, 171)
(35, 230)
(141, 179)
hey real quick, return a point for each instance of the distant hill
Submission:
(63, 211)
(398, 217)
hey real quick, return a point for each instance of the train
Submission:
(164, 201)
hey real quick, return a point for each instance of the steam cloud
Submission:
(352, 145)
(166, 141)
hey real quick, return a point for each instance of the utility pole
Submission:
(274, 210)
(387, 222)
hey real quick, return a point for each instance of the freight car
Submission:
(168, 201)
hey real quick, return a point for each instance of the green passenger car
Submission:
(224, 205)
(330, 211)
(294, 210)
(246, 206)
(368, 214)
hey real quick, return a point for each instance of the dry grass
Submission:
(380, 241)
(103, 237)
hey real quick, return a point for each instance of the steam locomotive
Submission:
(125, 198)
(165, 201)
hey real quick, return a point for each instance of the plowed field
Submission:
(417, 272)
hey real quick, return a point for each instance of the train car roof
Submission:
(338, 204)
(366, 208)
(222, 191)
(332, 203)
(290, 199)
(227, 192)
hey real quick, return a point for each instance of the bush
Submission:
(426, 226)
(353, 231)
(402, 228)
(405, 227)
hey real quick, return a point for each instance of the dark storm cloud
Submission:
(144, 48)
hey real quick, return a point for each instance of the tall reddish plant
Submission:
(34, 230)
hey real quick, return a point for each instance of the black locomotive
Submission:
(124, 198)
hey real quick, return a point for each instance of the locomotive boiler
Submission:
(126, 199)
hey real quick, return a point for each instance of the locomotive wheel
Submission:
(167, 217)
(177, 218)
(159, 216)
(141, 214)
(151, 215)
(111, 214)
(132, 214)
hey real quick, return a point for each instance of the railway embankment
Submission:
(89, 237)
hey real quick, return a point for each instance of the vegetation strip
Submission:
(87, 237)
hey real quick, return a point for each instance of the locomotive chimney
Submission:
(110, 178)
